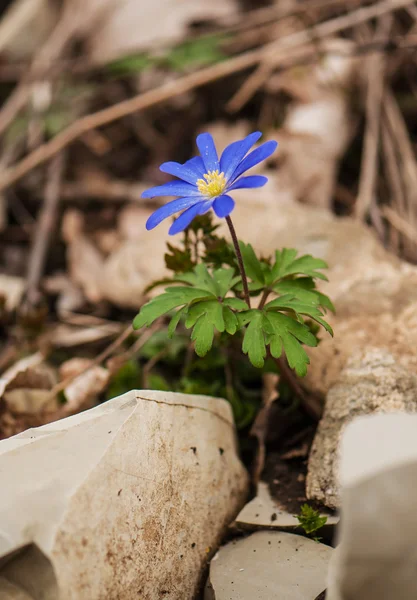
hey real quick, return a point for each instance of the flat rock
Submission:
(376, 558)
(265, 512)
(372, 382)
(269, 564)
(123, 501)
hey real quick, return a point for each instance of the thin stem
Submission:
(264, 298)
(239, 260)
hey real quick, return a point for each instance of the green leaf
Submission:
(128, 65)
(299, 308)
(287, 264)
(287, 333)
(198, 52)
(212, 310)
(283, 259)
(231, 322)
(303, 288)
(254, 339)
(310, 519)
(297, 357)
(203, 335)
(226, 280)
(325, 302)
(173, 324)
(172, 298)
(252, 264)
(283, 325)
(235, 303)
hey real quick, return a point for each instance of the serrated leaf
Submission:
(212, 310)
(283, 325)
(307, 265)
(205, 281)
(173, 324)
(172, 298)
(252, 264)
(254, 340)
(325, 302)
(226, 280)
(230, 320)
(245, 316)
(299, 308)
(297, 357)
(286, 264)
(303, 288)
(283, 258)
(203, 335)
(235, 303)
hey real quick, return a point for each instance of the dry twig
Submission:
(47, 225)
(375, 90)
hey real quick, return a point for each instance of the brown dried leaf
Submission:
(89, 381)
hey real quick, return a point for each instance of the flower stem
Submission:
(264, 298)
(239, 260)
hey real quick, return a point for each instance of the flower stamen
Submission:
(212, 185)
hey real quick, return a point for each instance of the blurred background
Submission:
(95, 95)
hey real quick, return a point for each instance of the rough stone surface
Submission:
(376, 557)
(269, 564)
(371, 382)
(122, 501)
(263, 512)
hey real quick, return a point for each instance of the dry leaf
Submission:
(89, 381)
(25, 397)
(11, 290)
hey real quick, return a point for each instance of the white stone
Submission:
(264, 512)
(376, 558)
(269, 564)
(124, 500)
(372, 382)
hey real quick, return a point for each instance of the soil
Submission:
(286, 481)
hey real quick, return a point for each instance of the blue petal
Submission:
(190, 171)
(188, 215)
(172, 188)
(252, 181)
(258, 155)
(169, 209)
(235, 152)
(223, 206)
(205, 144)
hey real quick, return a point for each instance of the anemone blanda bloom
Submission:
(204, 182)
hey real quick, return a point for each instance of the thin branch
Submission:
(47, 225)
(400, 224)
(375, 91)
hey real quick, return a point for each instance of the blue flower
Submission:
(204, 182)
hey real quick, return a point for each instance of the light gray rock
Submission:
(372, 382)
(266, 565)
(122, 501)
(376, 558)
(264, 512)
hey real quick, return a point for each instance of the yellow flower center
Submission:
(212, 185)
